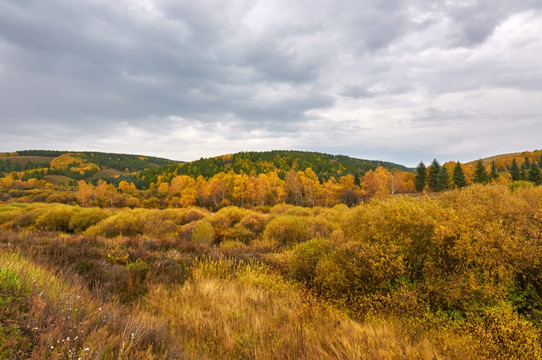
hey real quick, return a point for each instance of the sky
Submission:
(393, 80)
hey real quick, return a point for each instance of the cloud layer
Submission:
(391, 80)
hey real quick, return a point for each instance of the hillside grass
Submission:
(26, 159)
(57, 179)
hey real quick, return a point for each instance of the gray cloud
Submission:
(366, 79)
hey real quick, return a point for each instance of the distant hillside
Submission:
(324, 165)
(504, 161)
(88, 165)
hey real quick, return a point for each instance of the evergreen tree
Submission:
(535, 175)
(525, 168)
(540, 162)
(493, 175)
(480, 173)
(421, 174)
(459, 176)
(442, 179)
(433, 175)
(514, 171)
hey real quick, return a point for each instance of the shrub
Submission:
(357, 268)
(56, 219)
(125, 223)
(520, 184)
(203, 233)
(298, 211)
(86, 218)
(304, 258)
(158, 225)
(255, 222)
(319, 227)
(23, 220)
(224, 221)
(280, 208)
(8, 214)
(193, 215)
(136, 273)
(504, 334)
(286, 230)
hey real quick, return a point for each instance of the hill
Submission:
(86, 165)
(504, 161)
(281, 161)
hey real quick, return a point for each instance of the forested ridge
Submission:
(325, 166)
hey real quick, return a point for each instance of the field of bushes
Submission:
(455, 276)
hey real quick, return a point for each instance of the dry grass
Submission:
(61, 320)
(57, 179)
(243, 312)
(26, 159)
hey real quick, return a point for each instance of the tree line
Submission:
(437, 177)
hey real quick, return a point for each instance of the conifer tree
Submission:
(493, 175)
(480, 173)
(442, 178)
(433, 175)
(540, 162)
(525, 167)
(421, 174)
(459, 176)
(514, 171)
(535, 175)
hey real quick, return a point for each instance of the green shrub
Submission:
(86, 218)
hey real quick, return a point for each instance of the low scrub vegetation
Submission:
(457, 276)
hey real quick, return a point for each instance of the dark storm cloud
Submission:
(259, 73)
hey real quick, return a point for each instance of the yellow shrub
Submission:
(56, 219)
(286, 230)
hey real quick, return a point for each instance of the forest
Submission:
(443, 262)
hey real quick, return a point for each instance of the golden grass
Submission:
(255, 315)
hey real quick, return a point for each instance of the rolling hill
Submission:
(504, 161)
(51, 164)
(281, 161)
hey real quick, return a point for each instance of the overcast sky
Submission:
(392, 80)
